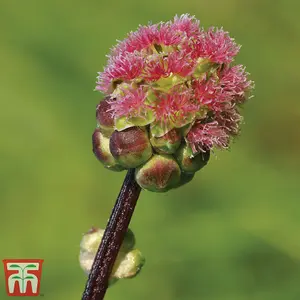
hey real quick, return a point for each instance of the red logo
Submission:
(23, 276)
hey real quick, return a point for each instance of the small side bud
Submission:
(104, 117)
(160, 174)
(168, 143)
(185, 178)
(102, 152)
(188, 162)
(128, 263)
(130, 147)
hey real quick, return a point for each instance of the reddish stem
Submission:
(116, 228)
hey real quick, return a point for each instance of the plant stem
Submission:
(116, 228)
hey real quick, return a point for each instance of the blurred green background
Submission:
(231, 234)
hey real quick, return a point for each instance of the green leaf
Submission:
(29, 277)
(16, 277)
(31, 266)
(15, 266)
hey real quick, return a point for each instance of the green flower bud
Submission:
(188, 162)
(130, 147)
(104, 117)
(185, 178)
(159, 174)
(167, 143)
(128, 263)
(102, 152)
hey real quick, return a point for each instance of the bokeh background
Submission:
(231, 234)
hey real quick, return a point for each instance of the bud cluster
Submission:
(129, 260)
(161, 163)
(172, 96)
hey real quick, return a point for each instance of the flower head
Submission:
(175, 77)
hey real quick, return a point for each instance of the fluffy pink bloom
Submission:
(180, 63)
(166, 34)
(131, 104)
(159, 66)
(156, 67)
(203, 137)
(217, 45)
(138, 40)
(208, 92)
(230, 85)
(175, 108)
(234, 83)
(175, 73)
(229, 120)
(186, 23)
(125, 66)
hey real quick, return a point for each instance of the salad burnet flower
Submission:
(172, 95)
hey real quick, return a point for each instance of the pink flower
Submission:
(188, 24)
(229, 120)
(123, 67)
(167, 34)
(208, 92)
(173, 74)
(235, 84)
(138, 40)
(181, 63)
(203, 137)
(131, 104)
(217, 45)
(175, 108)
(156, 67)
(159, 66)
(230, 85)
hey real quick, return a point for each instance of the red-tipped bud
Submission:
(189, 162)
(130, 147)
(104, 117)
(160, 174)
(167, 143)
(102, 152)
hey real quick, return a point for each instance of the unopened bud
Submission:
(104, 117)
(102, 152)
(167, 143)
(185, 178)
(128, 263)
(130, 147)
(159, 174)
(189, 162)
